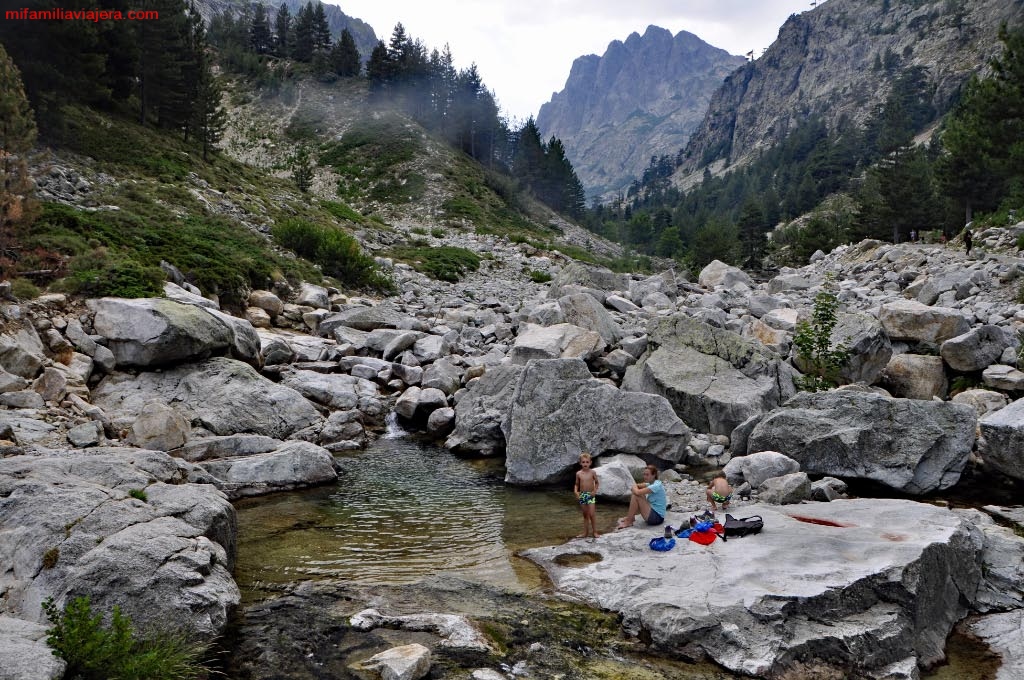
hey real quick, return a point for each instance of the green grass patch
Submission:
(444, 264)
(342, 211)
(138, 494)
(338, 254)
(539, 277)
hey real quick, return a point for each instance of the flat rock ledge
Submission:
(867, 586)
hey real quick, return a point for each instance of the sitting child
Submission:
(719, 491)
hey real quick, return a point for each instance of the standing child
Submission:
(585, 490)
(719, 491)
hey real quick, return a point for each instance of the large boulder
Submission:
(785, 490)
(922, 447)
(868, 345)
(982, 401)
(558, 410)
(478, 414)
(576, 275)
(159, 428)
(755, 468)
(561, 341)
(916, 322)
(293, 465)
(362, 318)
(21, 352)
(864, 585)
(69, 527)
(714, 378)
(915, 376)
(1002, 439)
(976, 349)
(1004, 635)
(720, 274)
(584, 311)
(154, 331)
(222, 395)
(337, 391)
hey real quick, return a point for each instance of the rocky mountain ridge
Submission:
(838, 61)
(641, 98)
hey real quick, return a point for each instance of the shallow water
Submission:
(402, 511)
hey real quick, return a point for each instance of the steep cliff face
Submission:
(642, 98)
(838, 61)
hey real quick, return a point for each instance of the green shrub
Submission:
(99, 274)
(97, 652)
(23, 289)
(445, 264)
(539, 277)
(419, 230)
(1020, 242)
(437, 232)
(813, 340)
(138, 494)
(338, 254)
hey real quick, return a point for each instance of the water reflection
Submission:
(401, 511)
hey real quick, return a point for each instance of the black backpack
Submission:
(742, 527)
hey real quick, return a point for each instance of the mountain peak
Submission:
(642, 97)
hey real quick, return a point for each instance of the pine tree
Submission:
(302, 46)
(321, 29)
(302, 169)
(260, 39)
(282, 25)
(17, 135)
(345, 56)
(208, 116)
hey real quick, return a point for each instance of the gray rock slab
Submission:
(294, 465)
(713, 378)
(223, 395)
(333, 390)
(24, 654)
(1002, 439)
(923, 447)
(157, 331)
(885, 586)
(479, 413)
(1004, 634)
(228, 446)
(168, 558)
(558, 410)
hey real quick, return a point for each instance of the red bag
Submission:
(703, 537)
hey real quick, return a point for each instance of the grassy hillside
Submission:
(236, 222)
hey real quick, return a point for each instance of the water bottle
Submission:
(668, 532)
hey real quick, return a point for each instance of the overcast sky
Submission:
(525, 48)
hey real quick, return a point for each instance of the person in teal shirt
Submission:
(646, 499)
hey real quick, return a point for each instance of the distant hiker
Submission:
(585, 489)
(968, 241)
(719, 491)
(913, 236)
(646, 498)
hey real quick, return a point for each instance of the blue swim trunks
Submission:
(587, 498)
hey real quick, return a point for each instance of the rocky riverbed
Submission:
(128, 426)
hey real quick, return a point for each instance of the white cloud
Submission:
(525, 48)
